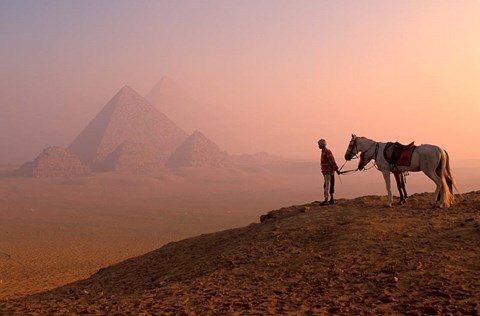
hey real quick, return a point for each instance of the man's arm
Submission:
(331, 160)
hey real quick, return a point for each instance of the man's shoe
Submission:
(331, 201)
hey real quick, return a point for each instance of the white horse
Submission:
(430, 159)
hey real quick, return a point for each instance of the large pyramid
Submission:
(175, 102)
(127, 117)
(198, 151)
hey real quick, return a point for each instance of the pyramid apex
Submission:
(127, 95)
(127, 89)
(197, 133)
(167, 86)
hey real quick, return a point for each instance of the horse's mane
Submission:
(366, 138)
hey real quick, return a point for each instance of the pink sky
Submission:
(281, 74)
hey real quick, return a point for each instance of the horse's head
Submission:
(352, 149)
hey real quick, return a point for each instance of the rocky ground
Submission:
(356, 257)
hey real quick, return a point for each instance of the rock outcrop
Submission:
(352, 258)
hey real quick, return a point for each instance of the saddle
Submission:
(397, 154)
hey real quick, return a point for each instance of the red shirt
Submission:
(327, 161)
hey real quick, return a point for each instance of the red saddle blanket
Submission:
(398, 154)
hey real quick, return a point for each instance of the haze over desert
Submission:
(161, 158)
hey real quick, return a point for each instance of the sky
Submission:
(280, 74)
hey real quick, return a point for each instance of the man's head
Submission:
(322, 143)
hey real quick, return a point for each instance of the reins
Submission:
(346, 171)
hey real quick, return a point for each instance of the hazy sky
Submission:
(281, 74)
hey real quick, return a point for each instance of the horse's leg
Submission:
(398, 180)
(432, 174)
(386, 176)
(405, 195)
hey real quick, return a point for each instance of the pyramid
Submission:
(196, 151)
(166, 86)
(175, 102)
(127, 117)
(53, 162)
(131, 157)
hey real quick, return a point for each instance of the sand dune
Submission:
(355, 257)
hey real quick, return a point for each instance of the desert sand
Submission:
(58, 230)
(357, 257)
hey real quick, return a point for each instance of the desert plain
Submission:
(190, 241)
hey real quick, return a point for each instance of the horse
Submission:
(430, 159)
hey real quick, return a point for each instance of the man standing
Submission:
(329, 167)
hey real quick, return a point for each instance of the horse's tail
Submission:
(452, 184)
(448, 182)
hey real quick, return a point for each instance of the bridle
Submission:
(353, 148)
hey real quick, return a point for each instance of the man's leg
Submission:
(332, 188)
(326, 187)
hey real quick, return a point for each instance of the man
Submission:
(329, 167)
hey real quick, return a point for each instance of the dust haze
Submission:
(143, 172)
(390, 72)
(125, 126)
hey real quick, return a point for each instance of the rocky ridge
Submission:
(356, 257)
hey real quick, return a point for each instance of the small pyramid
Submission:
(197, 151)
(53, 162)
(131, 157)
(127, 117)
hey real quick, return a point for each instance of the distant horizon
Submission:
(338, 157)
(361, 183)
